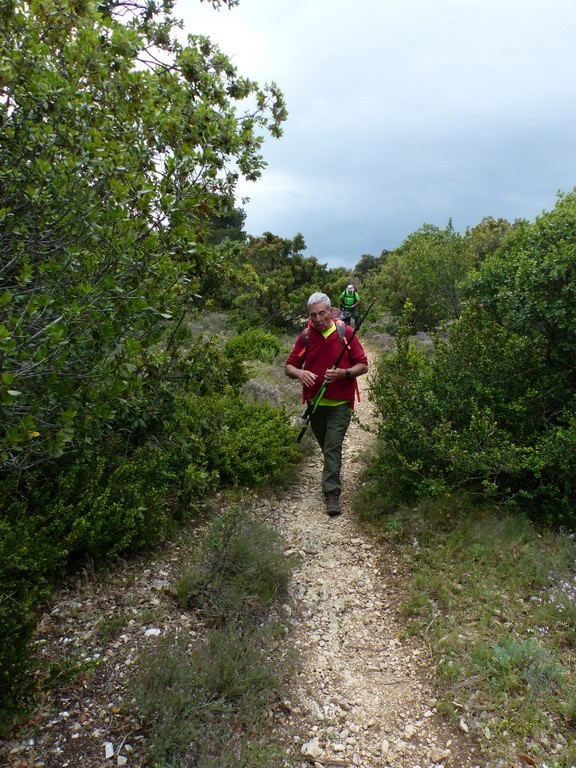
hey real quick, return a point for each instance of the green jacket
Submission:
(347, 299)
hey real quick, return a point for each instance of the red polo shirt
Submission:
(320, 354)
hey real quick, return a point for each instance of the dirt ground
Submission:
(364, 695)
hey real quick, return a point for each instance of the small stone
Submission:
(438, 755)
(312, 749)
(400, 747)
(409, 730)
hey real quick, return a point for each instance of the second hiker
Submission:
(349, 301)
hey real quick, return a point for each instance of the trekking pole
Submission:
(313, 404)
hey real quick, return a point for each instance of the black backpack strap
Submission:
(342, 332)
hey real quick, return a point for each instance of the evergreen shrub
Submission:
(471, 418)
(92, 506)
(493, 411)
(27, 558)
(253, 344)
(241, 443)
(186, 434)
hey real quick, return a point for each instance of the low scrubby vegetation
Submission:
(205, 700)
(194, 435)
(493, 597)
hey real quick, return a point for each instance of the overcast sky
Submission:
(404, 113)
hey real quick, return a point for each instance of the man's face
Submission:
(320, 316)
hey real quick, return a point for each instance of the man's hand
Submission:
(333, 374)
(307, 378)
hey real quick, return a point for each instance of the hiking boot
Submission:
(332, 504)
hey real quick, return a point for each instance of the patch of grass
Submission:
(202, 701)
(67, 669)
(495, 599)
(109, 628)
(205, 702)
(238, 570)
(521, 670)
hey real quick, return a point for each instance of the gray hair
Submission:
(316, 298)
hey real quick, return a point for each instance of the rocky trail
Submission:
(364, 695)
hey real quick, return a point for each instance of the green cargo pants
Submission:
(329, 424)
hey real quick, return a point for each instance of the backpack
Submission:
(346, 297)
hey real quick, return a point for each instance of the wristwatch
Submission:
(348, 374)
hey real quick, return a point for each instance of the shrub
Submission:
(119, 498)
(204, 701)
(253, 344)
(493, 409)
(25, 559)
(93, 506)
(244, 443)
(32, 554)
(122, 509)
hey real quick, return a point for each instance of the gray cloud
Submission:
(404, 112)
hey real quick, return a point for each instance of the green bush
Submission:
(26, 558)
(122, 509)
(405, 464)
(253, 344)
(243, 443)
(93, 506)
(493, 409)
(208, 369)
(121, 498)
(471, 417)
(32, 555)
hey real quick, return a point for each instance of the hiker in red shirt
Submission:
(316, 350)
